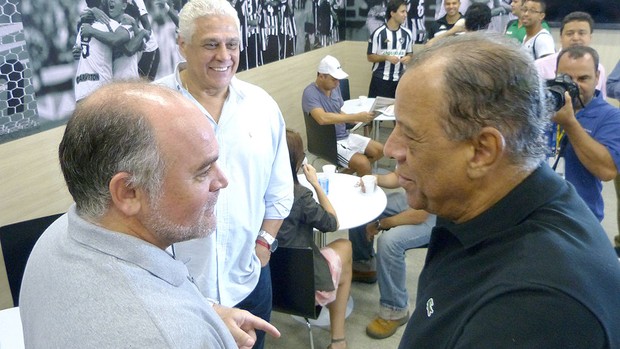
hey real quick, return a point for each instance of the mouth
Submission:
(220, 69)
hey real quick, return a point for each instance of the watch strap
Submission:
(263, 243)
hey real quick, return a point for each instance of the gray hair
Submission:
(195, 9)
(489, 81)
(109, 133)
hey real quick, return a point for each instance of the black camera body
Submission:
(558, 86)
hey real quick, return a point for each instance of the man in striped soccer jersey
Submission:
(389, 49)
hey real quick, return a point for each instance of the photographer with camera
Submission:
(589, 136)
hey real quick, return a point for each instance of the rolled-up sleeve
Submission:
(279, 196)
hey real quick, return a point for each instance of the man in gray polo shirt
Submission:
(140, 162)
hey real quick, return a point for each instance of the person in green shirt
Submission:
(515, 28)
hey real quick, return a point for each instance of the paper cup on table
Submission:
(362, 100)
(370, 184)
(329, 170)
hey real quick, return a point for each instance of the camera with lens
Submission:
(558, 86)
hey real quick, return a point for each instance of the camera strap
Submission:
(561, 148)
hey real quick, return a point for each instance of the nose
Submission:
(394, 146)
(222, 52)
(220, 180)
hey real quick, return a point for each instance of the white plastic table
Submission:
(353, 208)
(11, 333)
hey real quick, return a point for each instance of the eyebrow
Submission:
(208, 162)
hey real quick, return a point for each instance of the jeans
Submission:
(259, 303)
(391, 247)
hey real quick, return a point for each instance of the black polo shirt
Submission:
(440, 25)
(536, 270)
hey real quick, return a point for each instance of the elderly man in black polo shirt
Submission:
(516, 258)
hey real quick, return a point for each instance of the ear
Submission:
(124, 198)
(181, 45)
(488, 150)
(597, 74)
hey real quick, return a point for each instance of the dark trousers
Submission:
(383, 88)
(259, 303)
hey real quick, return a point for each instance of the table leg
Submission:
(376, 124)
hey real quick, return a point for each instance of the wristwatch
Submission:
(273, 242)
(379, 227)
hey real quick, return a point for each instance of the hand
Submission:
(243, 325)
(392, 59)
(371, 231)
(366, 116)
(310, 173)
(76, 51)
(87, 30)
(263, 254)
(405, 59)
(100, 16)
(566, 114)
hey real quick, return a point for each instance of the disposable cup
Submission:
(324, 182)
(362, 100)
(329, 169)
(370, 184)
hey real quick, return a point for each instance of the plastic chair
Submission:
(292, 279)
(17, 241)
(344, 89)
(321, 140)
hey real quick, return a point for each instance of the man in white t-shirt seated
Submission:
(538, 42)
(576, 30)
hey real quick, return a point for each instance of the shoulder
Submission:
(544, 34)
(311, 91)
(378, 31)
(406, 31)
(302, 192)
(250, 91)
(168, 81)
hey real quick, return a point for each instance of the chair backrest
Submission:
(17, 241)
(344, 89)
(292, 279)
(321, 139)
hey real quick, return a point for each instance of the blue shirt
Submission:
(254, 156)
(601, 121)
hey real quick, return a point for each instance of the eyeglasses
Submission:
(526, 10)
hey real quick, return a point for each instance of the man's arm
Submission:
(613, 83)
(136, 43)
(409, 216)
(324, 118)
(375, 58)
(113, 39)
(388, 180)
(594, 156)
(271, 226)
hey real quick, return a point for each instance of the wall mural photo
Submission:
(55, 52)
